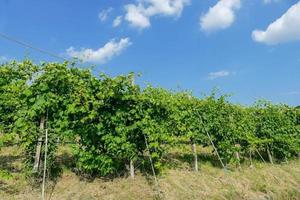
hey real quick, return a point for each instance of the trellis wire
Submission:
(212, 143)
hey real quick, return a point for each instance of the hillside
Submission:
(262, 181)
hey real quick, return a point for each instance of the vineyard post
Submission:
(286, 160)
(131, 163)
(237, 155)
(269, 155)
(251, 164)
(194, 149)
(39, 146)
(131, 166)
(45, 165)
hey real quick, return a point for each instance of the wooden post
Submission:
(269, 155)
(131, 163)
(286, 160)
(251, 163)
(194, 149)
(131, 168)
(45, 165)
(37, 158)
(237, 155)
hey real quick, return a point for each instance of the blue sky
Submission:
(188, 44)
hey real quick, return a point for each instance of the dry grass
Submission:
(264, 181)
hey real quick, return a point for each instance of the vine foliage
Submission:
(110, 119)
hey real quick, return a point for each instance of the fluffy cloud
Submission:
(117, 21)
(103, 15)
(103, 54)
(138, 15)
(220, 16)
(284, 29)
(219, 74)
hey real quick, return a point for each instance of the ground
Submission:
(262, 181)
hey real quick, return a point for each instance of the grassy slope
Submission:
(264, 181)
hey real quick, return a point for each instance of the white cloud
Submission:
(117, 21)
(103, 15)
(284, 29)
(219, 74)
(103, 54)
(139, 15)
(220, 16)
(136, 17)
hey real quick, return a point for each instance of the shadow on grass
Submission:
(62, 162)
(7, 167)
(8, 189)
(7, 163)
(175, 160)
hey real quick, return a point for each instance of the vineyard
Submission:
(115, 126)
